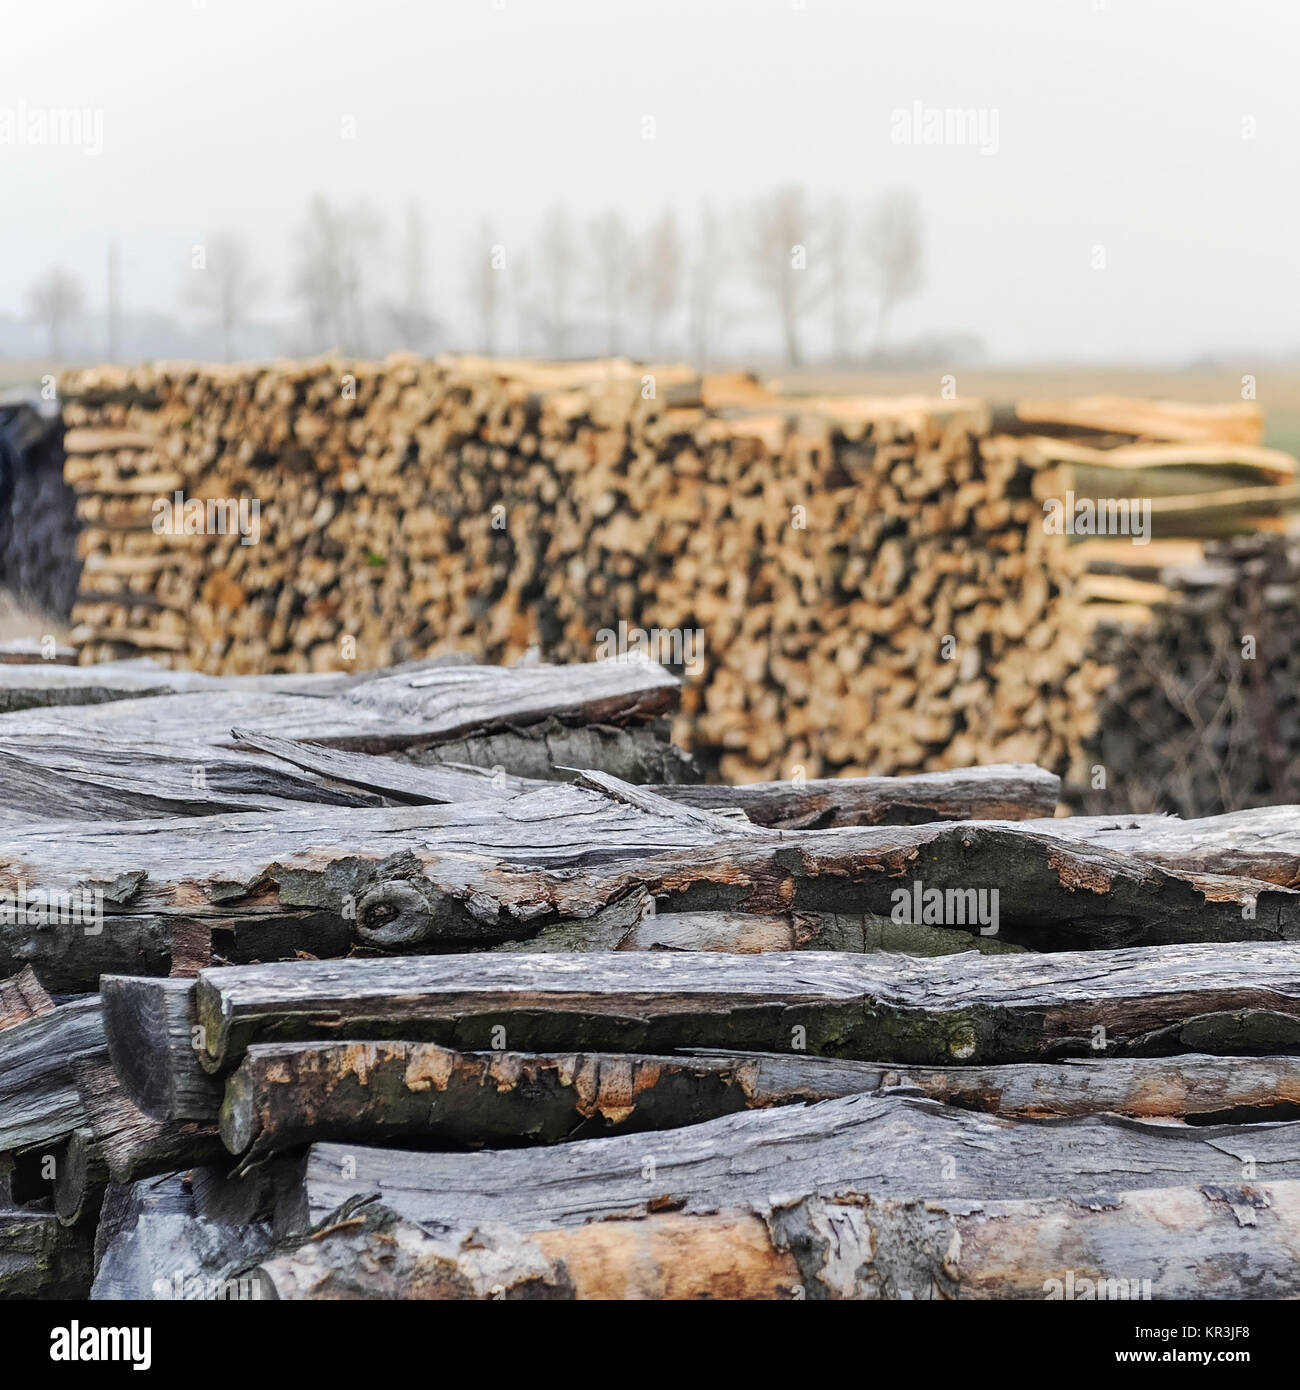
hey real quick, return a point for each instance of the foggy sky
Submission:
(1119, 124)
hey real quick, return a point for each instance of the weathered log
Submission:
(81, 1178)
(39, 684)
(39, 1102)
(42, 1258)
(1217, 999)
(1197, 1241)
(1261, 843)
(134, 1144)
(1003, 792)
(289, 1094)
(89, 777)
(386, 713)
(478, 874)
(152, 1044)
(889, 1147)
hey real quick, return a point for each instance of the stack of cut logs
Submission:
(348, 986)
(853, 586)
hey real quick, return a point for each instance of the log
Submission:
(39, 1102)
(42, 1258)
(1008, 792)
(884, 1146)
(285, 1095)
(487, 872)
(1224, 1241)
(974, 1009)
(81, 1179)
(134, 1144)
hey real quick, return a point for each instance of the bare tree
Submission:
(893, 244)
(336, 248)
(780, 262)
(551, 271)
(612, 274)
(706, 279)
(660, 278)
(842, 278)
(225, 287)
(54, 301)
(413, 322)
(485, 265)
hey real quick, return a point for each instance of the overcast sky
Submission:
(1119, 124)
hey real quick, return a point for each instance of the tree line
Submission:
(811, 278)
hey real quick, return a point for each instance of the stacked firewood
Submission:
(852, 586)
(1204, 713)
(355, 987)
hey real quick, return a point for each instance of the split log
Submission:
(387, 713)
(152, 1045)
(888, 1147)
(22, 996)
(93, 778)
(1224, 1241)
(978, 1010)
(285, 1095)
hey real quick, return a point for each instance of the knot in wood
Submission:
(396, 913)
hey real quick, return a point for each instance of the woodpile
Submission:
(354, 1019)
(1204, 713)
(854, 587)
